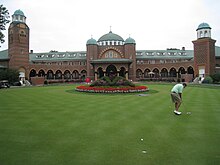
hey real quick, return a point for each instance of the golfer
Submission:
(176, 96)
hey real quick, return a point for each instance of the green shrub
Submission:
(216, 77)
(207, 80)
(116, 81)
(12, 75)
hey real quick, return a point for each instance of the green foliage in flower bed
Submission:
(114, 81)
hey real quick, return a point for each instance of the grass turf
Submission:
(55, 125)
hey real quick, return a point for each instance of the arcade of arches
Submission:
(172, 73)
(147, 73)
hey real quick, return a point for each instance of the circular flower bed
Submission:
(105, 89)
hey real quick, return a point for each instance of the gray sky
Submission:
(154, 24)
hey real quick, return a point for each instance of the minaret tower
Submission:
(92, 53)
(204, 51)
(18, 43)
(130, 53)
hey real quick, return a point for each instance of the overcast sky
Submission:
(66, 25)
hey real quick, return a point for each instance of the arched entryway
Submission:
(41, 73)
(67, 74)
(146, 73)
(164, 72)
(100, 72)
(58, 74)
(172, 72)
(156, 73)
(138, 73)
(33, 73)
(122, 72)
(75, 74)
(111, 70)
(50, 74)
(190, 70)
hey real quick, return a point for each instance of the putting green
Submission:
(56, 125)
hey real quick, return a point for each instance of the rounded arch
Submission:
(58, 74)
(173, 72)
(146, 73)
(182, 70)
(122, 72)
(139, 73)
(83, 74)
(156, 72)
(67, 74)
(111, 70)
(33, 73)
(75, 74)
(190, 70)
(41, 73)
(22, 72)
(117, 51)
(50, 74)
(100, 72)
(164, 72)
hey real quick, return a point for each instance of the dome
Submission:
(19, 12)
(18, 16)
(111, 37)
(203, 26)
(91, 41)
(129, 41)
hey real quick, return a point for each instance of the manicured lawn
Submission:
(55, 125)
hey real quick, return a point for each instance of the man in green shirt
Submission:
(176, 96)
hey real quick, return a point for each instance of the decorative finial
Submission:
(110, 29)
(91, 36)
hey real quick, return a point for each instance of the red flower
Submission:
(111, 89)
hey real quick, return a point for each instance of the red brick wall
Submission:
(204, 55)
(37, 80)
(18, 45)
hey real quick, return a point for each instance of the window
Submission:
(111, 54)
(50, 55)
(201, 34)
(40, 56)
(60, 55)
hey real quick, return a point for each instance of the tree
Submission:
(12, 75)
(216, 77)
(4, 19)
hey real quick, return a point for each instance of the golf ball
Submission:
(142, 139)
(144, 151)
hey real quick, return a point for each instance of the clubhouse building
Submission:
(109, 54)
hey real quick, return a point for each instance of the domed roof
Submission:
(129, 41)
(19, 12)
(91, 41)
(203, 26)
(111, 37)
